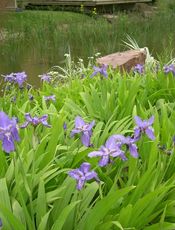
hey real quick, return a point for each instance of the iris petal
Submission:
(4, 120)
(104, 161)
(85, 167)
(79, 122)
(95, 154)
(24, 125)
(91, 175)
(133, 150)
(8, 144)
(138, 120)
(150, 133)
(28, 117)
(85, 138)
(80, 184)
(75, 131)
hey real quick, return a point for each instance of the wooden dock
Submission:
(6, 5)
(80, 2)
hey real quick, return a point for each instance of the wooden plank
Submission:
(105, 2)
(84, 2)
(8, 4)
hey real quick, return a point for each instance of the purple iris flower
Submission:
(83, 174)
(156, 68)
(110, 149)
(101, 70)
(9, 78)
(173, 140)
(13, 99)
(139, 69)
(46, 78)
(31, 97)
(169, 69)
(35, 121)
(144, 126)
(8, 132)
(85, 129)
(50, 98)
(65, 126)
(1, 223)
(18, 78)
(7, 88)
(29, 86)
(129, 142)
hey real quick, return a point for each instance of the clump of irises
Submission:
(9, 129)
(16, 78)
(116, 146)
(169, 69)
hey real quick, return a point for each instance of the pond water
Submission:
(31, 67)
(36, 41)
(31, 60)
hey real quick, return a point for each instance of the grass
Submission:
(37, 193)
(42, 38)
(166, 5)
